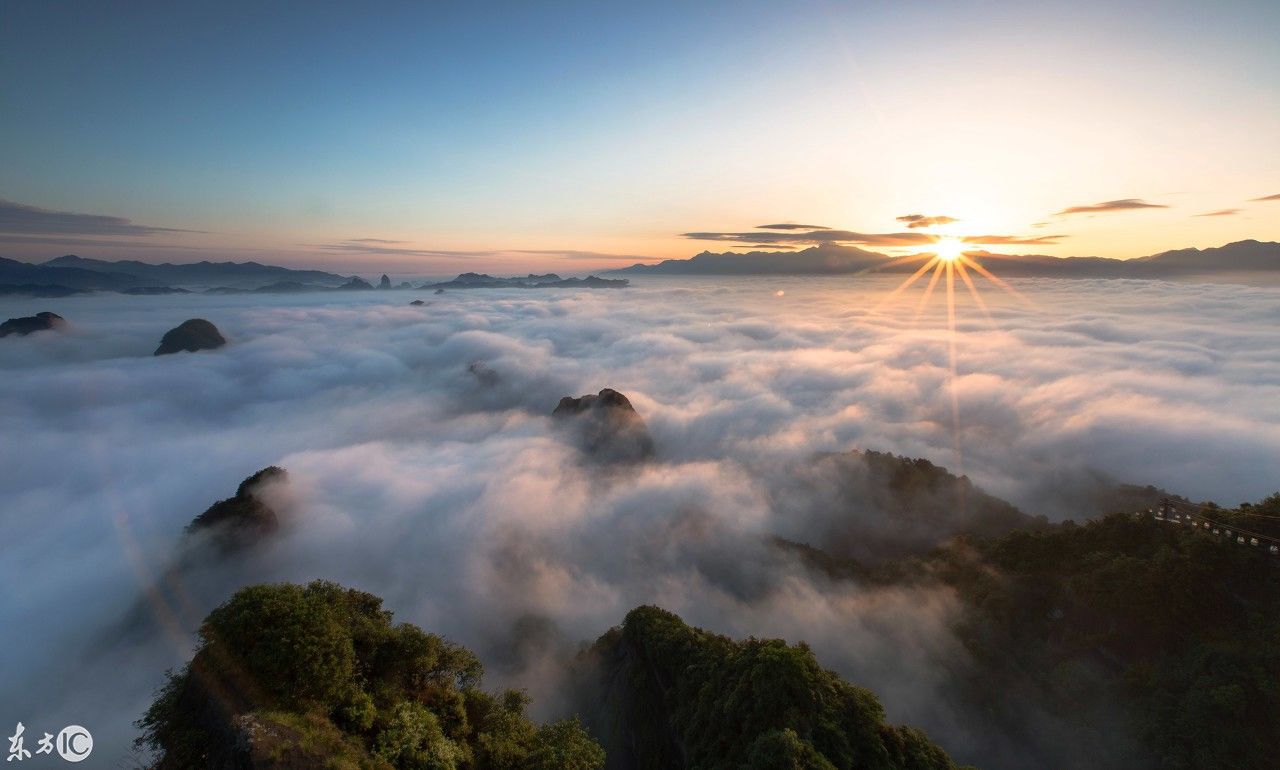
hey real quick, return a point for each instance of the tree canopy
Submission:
(319, 676)
(678, 696)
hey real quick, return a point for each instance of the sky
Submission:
(431, 137)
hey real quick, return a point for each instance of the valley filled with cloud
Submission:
(425, 467)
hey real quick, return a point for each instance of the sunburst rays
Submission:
(944, 265)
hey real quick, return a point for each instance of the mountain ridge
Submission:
(830, 259)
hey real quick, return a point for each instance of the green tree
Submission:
(291, 676)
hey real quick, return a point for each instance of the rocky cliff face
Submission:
(244, 520)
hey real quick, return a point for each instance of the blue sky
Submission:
(468, 133)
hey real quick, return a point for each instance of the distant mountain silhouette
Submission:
(14, 273)
(245, 275)
(356, 283)
(71, 274)
(1241, 255)
(531, 281)
(833, 259)
(816, 260)
(38, 290)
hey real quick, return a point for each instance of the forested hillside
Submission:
(671, 695)
(288, 676)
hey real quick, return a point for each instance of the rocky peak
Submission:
(244, 520)
(25, 325)
(191, 335)
(608, 427)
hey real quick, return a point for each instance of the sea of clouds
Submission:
(424, 466)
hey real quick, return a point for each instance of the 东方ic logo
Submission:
(73, 743)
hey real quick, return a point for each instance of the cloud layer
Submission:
(453, 496)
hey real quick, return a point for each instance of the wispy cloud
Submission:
(815, 238)
(372, 246)
(385, 247)
(1220, 213)
(36, 242)
(914, 221)
(1275, 197)
(579, 254)
(1123, 204)
(32, 220)
(826, 236)
(791, 226)
(1014, 240)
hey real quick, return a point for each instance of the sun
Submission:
(948, 249)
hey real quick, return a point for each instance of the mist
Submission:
(425, 468)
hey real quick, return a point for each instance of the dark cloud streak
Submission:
(37, 242)
(816, 238)
(384, 247)
(826, 237)
(1121, 204)
(32, 220)
(1013, 240)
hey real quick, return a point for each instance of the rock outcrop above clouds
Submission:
(25, 325)
(607, 426)
(244, 520)
(191, 335)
